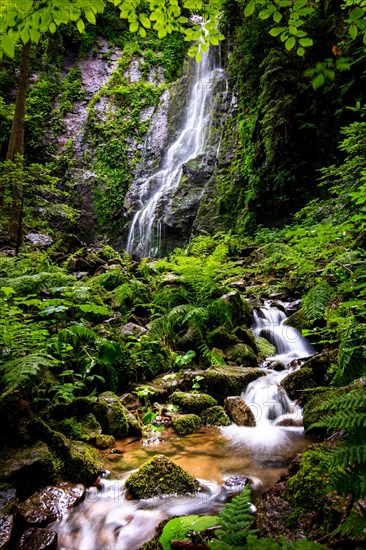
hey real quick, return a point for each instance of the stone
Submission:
(160, 476)
(265, 348)
(37, 539)
(192, 402)
(241, 311)
(85, 428)
(130, 401)
(238, 411)
(297, 381)
(319, 364)
(298, 320)
(104, 441)
(48, 504)
(215, 416)
(38, 239)
(223, 381)
(278, 366)
(133, 330)
(246, 336)
(6, 529)
(293, 422)
(83, 465)
(241, 354)
(186, 424)
(111, 414)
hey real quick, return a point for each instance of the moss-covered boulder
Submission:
(85, 428)
(239, 412)
(192, 402)
(111, 414)
(215, 416)
(245, 335)
(84, 464)
(104, 441)
(186, 424)
(222, 338)
(220, 382)
(297, 381)
(265, 348)
(298, 320)
(241, 354)
(320, 364)
(160, 476)
(241, 311)
(169, 383)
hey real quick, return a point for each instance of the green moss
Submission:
(266, 349)
(111, 414)
(221, 382)
(215, 416)
(241, 354)
(84, 464)
(297, 381)
(186, 424)
(83, 429)
(160, 476)
(104, 441)
(298, 320)
(193, 402)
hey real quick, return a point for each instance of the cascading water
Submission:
(155, 193)
(277, 417)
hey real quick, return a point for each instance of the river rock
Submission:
(265, 348)
(48, 504)
(238, 411)
(6, 529)
(246, 336)
(223, 381)
(215, 416)
(319, 364)
(192, 402)
(185, 424)
(111, 414)
(241, 354)
(298, 320)
(160, 476)
(83, 465)
(132, 329)
(297, 381)
(241, 311)
(37, 539)
(85, 428)
(130, 401)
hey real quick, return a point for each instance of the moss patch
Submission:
(221, 382)
(193, 402)
(215, 416)
(160, 476)
(297, 381)
(266, 349)
(83, 429)
(111, 414)
(186, 424)
(84, 464)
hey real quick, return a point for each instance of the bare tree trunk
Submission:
(16, 148)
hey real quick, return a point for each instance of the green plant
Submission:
(186, 359)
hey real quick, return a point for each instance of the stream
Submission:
(221, 458)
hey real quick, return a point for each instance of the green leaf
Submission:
(293, 30)
(353, 31)
(299, 4)
(357, 13)
(198, 56)
(277, 16)
(145, 21)
(142, 32)
(249, 9)
(80, 25)
(306, 42)
(24, 35)
(264, 14)
(89, 14)
(94, 308)
(318, 81)
(134, 27)
(162, 33)
(290, 43)
(8, 45)
(276, 31)
(34, 35)
(300, 51)
(177, 528)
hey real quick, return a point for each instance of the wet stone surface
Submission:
(37, 539)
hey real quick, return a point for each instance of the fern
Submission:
(17, 372)
(316, 301)
(235, 520)
(76, 334)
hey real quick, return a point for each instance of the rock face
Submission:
(160, 476)
(37, 539)
(193, 402)
(297, 381)
(111, 414)
(48, 504)
(215, 416)
(239, 412)
(186, 424)
(241, 354)
(7, 516)
(221, 382)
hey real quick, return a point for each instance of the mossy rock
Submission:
(169, 382)
(297, 381)
(241, 354)
(265, 348)
(192, 402)
(222, 338)
(186, 424)
(80, 406)
(111, 414)
(104, 441)
(241, 311)
(245, 335)
(319, 364)
(239, 412)
(84, 464)
(215, 416)
(85, 428)
(298, 320)
(160, 476)
(311, 415)
(221, 382)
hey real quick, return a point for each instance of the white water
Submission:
(267, 399)
(145, 234)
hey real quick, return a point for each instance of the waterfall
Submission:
(278, 418)
(146, 231)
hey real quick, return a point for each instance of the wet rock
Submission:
(169, 382)
(265, 348)
(241, 354)
(130, 401)
(298, 320)
(295, 382)
(37, 539)
(246, 336)
(111, 414)
(235, 484)
(151, 441)
(134, 424)
(221, 338)
(215, 416)
(277, 366)
(160, 476)
(273, 510)
(221, 382)
(104, 441)
(85, 428)
(83, 465)
(38, 239)
(6, 529)
(186, 424)
(192, 402)
(48, 504)
(241, 311)
(320, 365)
(293, 422)
(238, 411)
(133, 330)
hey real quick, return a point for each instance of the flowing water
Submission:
(146, 229)
(108, 520)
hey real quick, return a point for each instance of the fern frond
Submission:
(316, 301)
(350, 402)
(348, 456)
(75, 334)
(16, 372)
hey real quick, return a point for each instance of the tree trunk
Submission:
(16, 148)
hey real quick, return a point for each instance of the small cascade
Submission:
(146, 233)
(277, 417)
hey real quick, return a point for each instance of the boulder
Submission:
(35, 538)
(298, 320)
(130, 401)
(132, 329)
(215, 416)
(104, 441)
(111, 414)
(265, 348)
(8, 506)
(238, 411)
(84, 464)
(48, 504)
(220, 382)
(192, 402)
(246, 336)
(297, 381)
(85, 428)
(185, 424)
(320, 364)
(241, 311)
(241, 354)
(160, 476)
